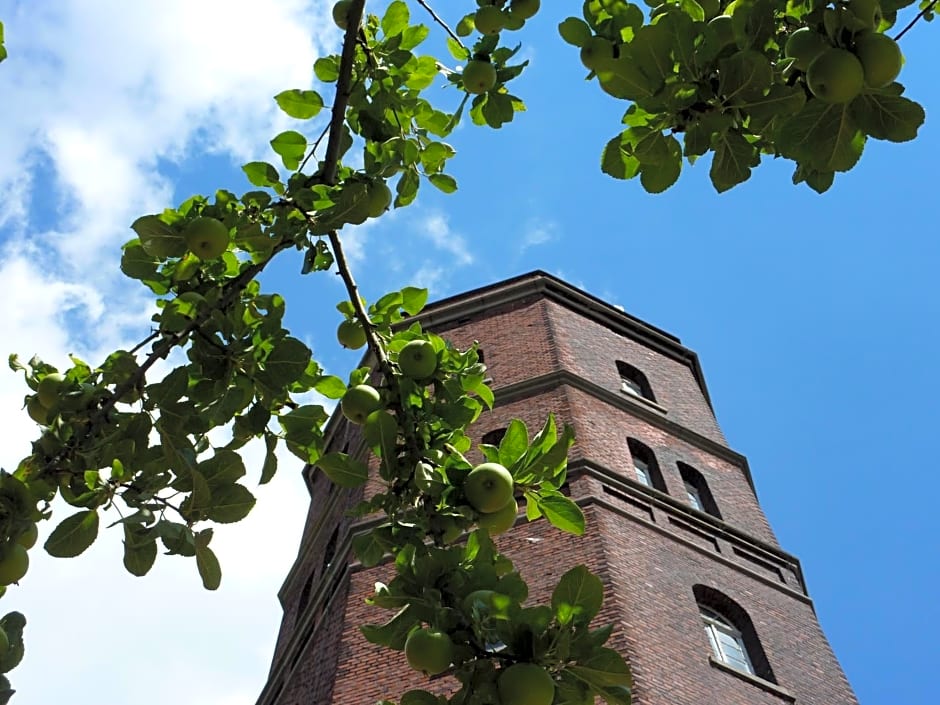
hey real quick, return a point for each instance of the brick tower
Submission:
(707, 608)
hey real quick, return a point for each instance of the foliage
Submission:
(164, 454)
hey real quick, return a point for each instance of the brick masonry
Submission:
(650, 548)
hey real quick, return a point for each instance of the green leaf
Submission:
(734, 157)
(299, 104)
(604, 669)
(447, 184)
(888, 117)
(140, 550)
(514, 444)
(394, 632)
(562, 513)
(157, 238)
(421, 72)
(291, 146)
(71, 537)
(413, 300)
(223, 468)
(368, 549)
(331, 386)
(230, 503)
(261, 174)
(269, 468)
(578, 595)
(395, 19)
(208, 565)
(657, 176)
(343, 470)
(575, 31)
(457, 50)
(823, 135)
(744, 76)
(618, 162)
(651, 52)
(327, 68)
(413, 36)
(285, 363)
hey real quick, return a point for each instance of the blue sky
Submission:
(814, 316)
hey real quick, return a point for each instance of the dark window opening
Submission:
(494, 437)
(699, 496)
(634, 382)
(731, 634)
(645, 468)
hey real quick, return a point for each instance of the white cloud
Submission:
(538, 232)
(100, 97)
(435, 227)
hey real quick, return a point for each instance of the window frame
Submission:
(718, 626)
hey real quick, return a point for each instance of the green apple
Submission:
(835, 76)
(880, 56)
(804, 45)
(501, 520)
(207, 238)
(479, 76)
(360, 401)
(524, 9)
(49, 389)
(37, 412)
(378, 198)
(28, 538)
(724, 29)
(595, 51)
(867, 11)
(429, 651)
(14, 562)
(419, 697)
(526, 684)
(489, 19)
(417, 359)
(351, 334)
(341, 13)
(488, 487)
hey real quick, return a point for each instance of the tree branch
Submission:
(443, 24)
(914, 21)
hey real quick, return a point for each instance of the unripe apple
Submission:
(351, 334)
(880, 56)
(489, 19)
(49, 389)
(501, 520)
(804, 45)
(835, 76)
(429, 650)
(868, 11)
(488, 487)
(417, 359)
(524, 9)
(380, 430)
(479, 76)
(341, 13)
(526, 684)
(207, 238)
(28, 538)
(37, 412)
(360, 401)
(595, 51)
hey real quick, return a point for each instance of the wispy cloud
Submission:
(538, 232)
(436, 227)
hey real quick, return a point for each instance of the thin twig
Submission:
(909, 24)
(443, 24)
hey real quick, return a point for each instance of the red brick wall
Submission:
(648, 564)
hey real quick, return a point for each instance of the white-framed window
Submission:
(726, 640)
(695, 499)
(642, 472)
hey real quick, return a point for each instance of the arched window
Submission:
(700, 497)
(645, 468)
(634, 382)
(730, 633)
(494, 437)
(330, 551)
